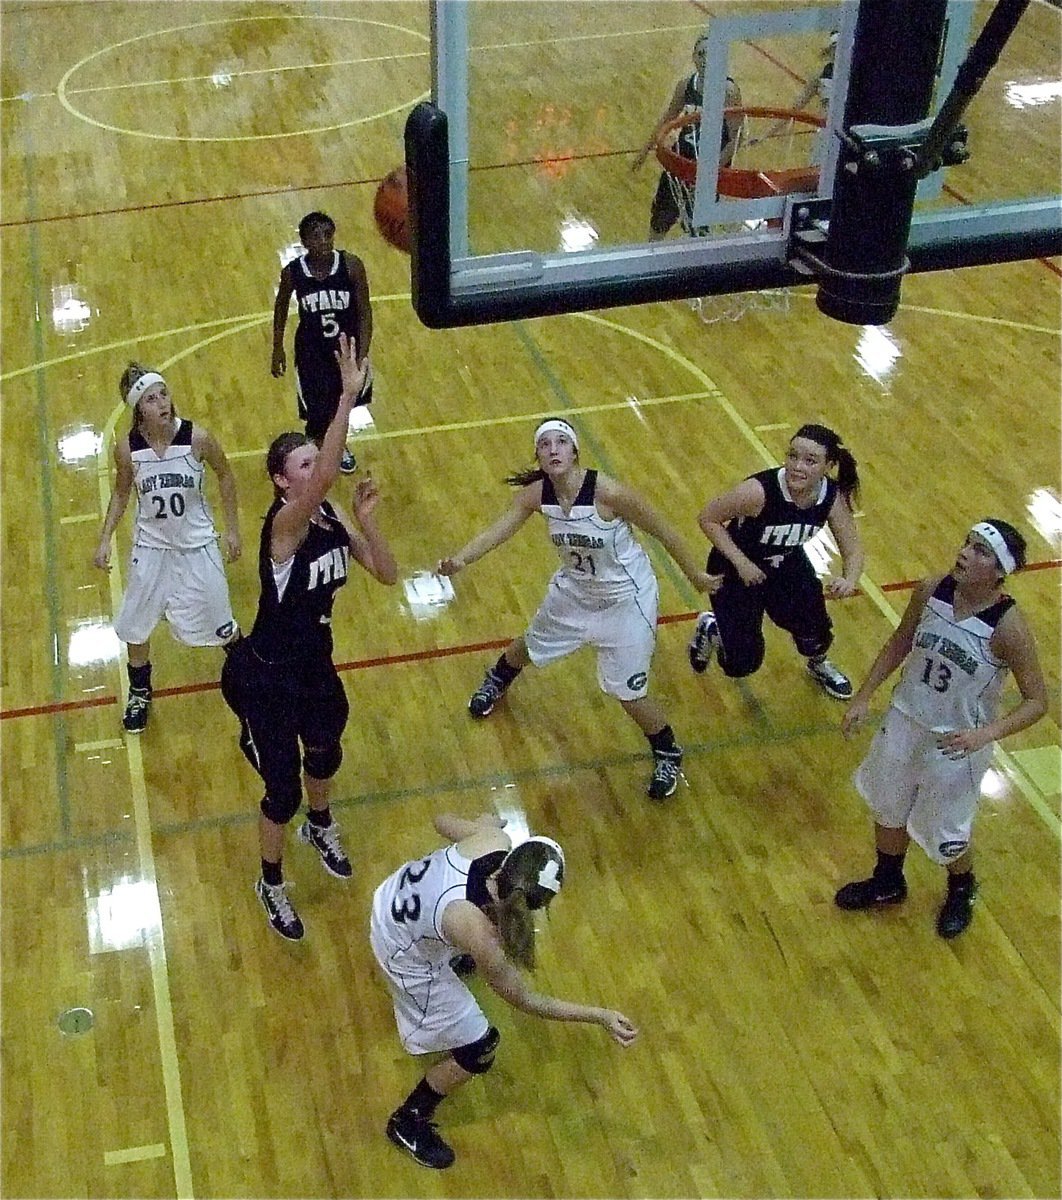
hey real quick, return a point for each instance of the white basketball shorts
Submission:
(622, 631)
(187, 587)
(908, 782)
(433, 1009)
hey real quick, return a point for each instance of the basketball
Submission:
(391, 209)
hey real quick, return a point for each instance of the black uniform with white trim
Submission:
(280, 680)
(792, 595)
(327, 308)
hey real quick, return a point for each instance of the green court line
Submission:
(51, 584)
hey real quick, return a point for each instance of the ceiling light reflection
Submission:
(576, 234)
(876, 352)
(1029, 95)
(120, 916)
(1045, 512)
(78, 444)
(427, 594)
(93, 642)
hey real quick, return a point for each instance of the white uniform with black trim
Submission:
(951, 680)
(604, 595)
(433, 1008)
(175, 569)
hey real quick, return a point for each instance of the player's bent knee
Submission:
(812, 647)
(279, 805)
(322, 764)
(477, 1057)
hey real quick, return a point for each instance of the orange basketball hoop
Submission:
(774, 163)
(749, 181)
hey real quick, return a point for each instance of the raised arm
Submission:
(472, 932)
(280, 321)
(455, 829)
(843, 527)
(626, 503)
(293, 519)
(673, 109)
(120, 493)
(745, 500)
(890, 656)
(525, 502)
(367, 542)
(205, 447)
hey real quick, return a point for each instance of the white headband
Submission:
(553, 425)
(146, 381)
(550, 875)
(999, 546)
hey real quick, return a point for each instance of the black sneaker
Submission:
(667, 766)
(870, 893)
(420, 1139)
(703, 643)
(348, 464)
(956, 912)
(833, 682)
(135, 717)
(282, 915)
(484, 698)
(325, 840)
(463, 965)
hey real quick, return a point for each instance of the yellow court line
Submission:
(509, 419)
(771, 428)
(79, 518)
(106, 744)
(977, 318)
(869, 587)
(154, 937)
(112, 1158)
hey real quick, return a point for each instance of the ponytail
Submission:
(515, 923)
(847, 472)
(523, 478)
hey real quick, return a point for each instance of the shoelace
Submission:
(329, 835)
(279, 899)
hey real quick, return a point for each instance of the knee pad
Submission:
(280, 807)
(812, 647)
(477, 1057)
(322, 764)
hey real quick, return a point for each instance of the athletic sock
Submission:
(422, 1101)
(960, 881)
(663, 740)
(503, 673)
(321, 817)
(272, 873)
(889, 868)
(139, 677)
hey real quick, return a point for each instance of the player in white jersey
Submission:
(175, 569)
(478, 896)
(604, 594)
(922, 776)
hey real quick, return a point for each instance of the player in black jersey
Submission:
(332, 292)
(688, 96)
(758, 531)
(280, 680)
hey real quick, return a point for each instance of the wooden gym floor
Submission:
(156, 160)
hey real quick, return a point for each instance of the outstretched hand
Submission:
(619, 1027)
(366, 498)
(449, 566)
(352, 372)
(102, 557)
(706, 584)
(840, 589)
(855, 716)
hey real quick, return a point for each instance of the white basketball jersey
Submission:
(599, 559)
(172, 512)
(408, 907)
(951, 679)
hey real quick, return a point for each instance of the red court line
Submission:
(394, 660)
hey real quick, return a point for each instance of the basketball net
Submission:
(771, 153)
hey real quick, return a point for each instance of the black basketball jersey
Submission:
(781, 528)
(327, 307)
(693, 99)
(294, 620)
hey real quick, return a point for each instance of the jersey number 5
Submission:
(410, 907)
(329, 325)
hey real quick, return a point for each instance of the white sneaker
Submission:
(704, 642)
(833, 682)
